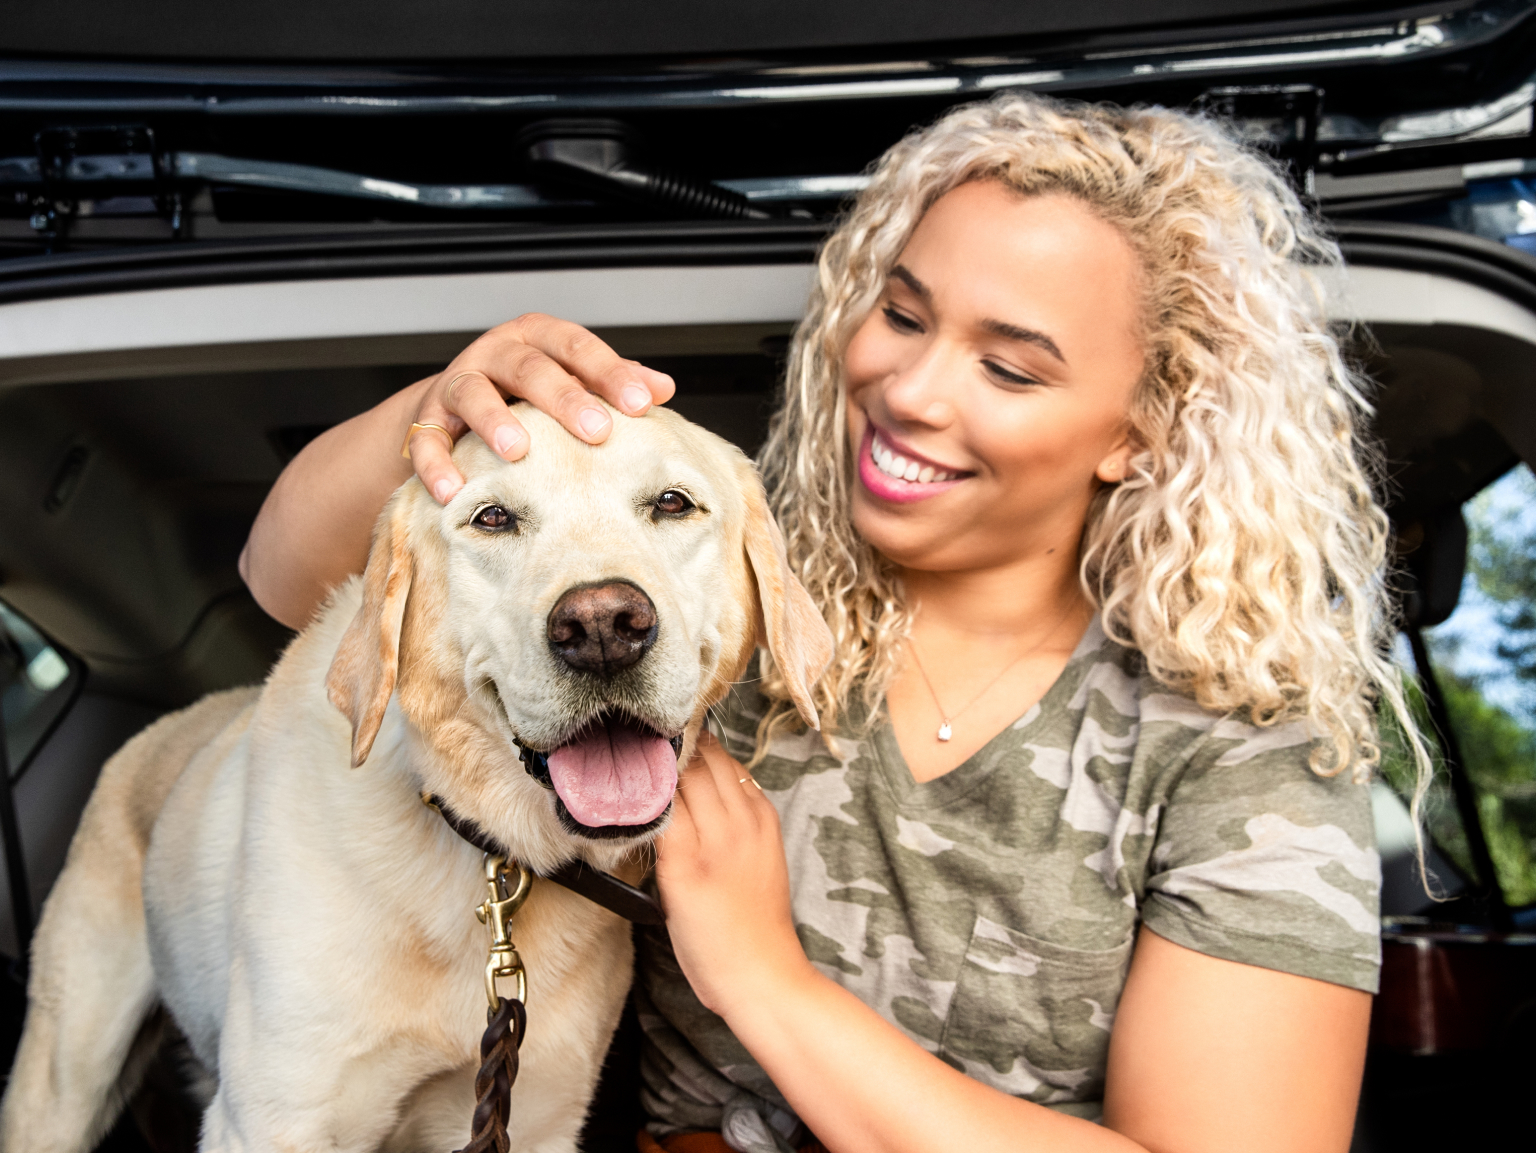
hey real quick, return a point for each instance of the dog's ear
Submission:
(362, 674)
(790, 624)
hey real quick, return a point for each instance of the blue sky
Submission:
(1468, 641)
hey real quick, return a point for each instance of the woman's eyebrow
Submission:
(1028, 335)
(904, 274)
(997, 327)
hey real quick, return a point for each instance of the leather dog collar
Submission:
(579, 877)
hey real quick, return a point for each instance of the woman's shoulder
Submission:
(1111, 685)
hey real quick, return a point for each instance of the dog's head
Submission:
(557, 631)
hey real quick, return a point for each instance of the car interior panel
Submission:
(219, 238)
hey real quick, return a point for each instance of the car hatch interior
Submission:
(221, 237)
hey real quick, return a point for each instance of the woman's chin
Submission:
(900, 535)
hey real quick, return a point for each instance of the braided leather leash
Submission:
(493, 1084)
(507, 1017)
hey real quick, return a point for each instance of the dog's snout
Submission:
(602, 628)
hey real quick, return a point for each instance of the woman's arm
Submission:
(1206, 1055)
(313, 530)
(1211, 1054)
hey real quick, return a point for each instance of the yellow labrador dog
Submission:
(261, 863)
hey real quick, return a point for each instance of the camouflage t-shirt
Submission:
(990, 913)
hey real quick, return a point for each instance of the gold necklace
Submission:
(946, 727)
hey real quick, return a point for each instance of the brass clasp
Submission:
(496, 913)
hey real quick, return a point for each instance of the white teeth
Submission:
(899, 467)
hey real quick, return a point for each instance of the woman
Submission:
(1071, 464)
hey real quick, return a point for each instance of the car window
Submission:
(38, 682)
(1484, 657)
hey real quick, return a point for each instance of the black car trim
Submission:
(1456, 255)
(1199, 54)
(247, 30)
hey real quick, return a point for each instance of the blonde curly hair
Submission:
(1244, 555)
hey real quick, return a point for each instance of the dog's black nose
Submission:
(602, 628)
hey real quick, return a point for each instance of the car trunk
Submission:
(220, 237)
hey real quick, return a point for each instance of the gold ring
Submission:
(448, 392)
(405, 449)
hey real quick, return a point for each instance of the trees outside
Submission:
(1485, 659)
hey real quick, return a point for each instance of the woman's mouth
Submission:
(901, 477)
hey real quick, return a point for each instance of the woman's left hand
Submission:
(725, 884)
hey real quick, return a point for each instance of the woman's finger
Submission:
(625, 384)
(681, 836)
(470, 397)
(430, 451)
(529, 374)
(739, 797)
(706, 806)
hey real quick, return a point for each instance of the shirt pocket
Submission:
(1032, 1018)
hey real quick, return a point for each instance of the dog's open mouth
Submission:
(615, 774)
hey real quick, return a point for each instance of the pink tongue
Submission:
(612, 774)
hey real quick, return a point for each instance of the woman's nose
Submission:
(921, 392)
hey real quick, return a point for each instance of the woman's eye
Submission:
(900, 321)
(672, 503)
(494, 518)
(1007, 375)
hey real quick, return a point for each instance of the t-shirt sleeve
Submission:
(1260, 860)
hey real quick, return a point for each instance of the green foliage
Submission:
(1499, 747)
(1501, 760)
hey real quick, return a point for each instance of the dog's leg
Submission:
(322, 1084)
(90, 990)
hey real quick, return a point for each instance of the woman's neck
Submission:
(1015, 600)
(985, 646)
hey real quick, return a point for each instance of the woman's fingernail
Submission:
(443, 490)
(593, 421)
(634, 398)
(506, 438)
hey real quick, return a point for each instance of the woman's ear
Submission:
(362, 674)
(789, 623)
(1117, 462)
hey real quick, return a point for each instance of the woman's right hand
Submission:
(556, 366)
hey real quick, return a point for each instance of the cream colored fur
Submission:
(309, 924)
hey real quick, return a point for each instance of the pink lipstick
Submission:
(885, 472)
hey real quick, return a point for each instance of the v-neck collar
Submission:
(911, 793)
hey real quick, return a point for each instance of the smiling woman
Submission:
(982, 441)
(1068, 463)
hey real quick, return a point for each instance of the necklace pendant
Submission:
(945, 732)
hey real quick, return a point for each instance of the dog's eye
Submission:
(494, 518)
(673, 503)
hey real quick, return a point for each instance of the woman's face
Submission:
(995, 375)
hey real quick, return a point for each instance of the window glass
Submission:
(37, 684)
(1485, 662)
